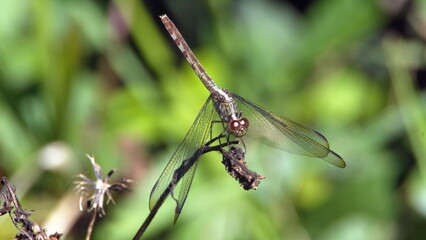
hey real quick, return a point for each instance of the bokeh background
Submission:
(104, 78)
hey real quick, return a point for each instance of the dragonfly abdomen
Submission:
(189, 55)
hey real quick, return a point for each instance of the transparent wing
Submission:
(196, 137)
(184, 189)
(285, 134)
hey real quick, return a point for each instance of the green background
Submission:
(104, 78)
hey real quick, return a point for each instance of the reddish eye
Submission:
(244, 122)
(234, 125)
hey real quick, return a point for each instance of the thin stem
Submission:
(90, 227)
(407, 99)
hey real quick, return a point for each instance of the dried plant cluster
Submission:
(28, 229)
(94, 192)
(237, 168)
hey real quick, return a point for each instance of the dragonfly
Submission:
(239, 118)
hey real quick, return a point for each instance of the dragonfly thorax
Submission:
(227, 109)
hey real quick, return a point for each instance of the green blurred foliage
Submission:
(98, 77)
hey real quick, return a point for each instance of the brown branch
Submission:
(234, 164)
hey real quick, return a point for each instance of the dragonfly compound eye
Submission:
(244, 123)
(234, 125)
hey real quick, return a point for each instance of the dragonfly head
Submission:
(238, 127)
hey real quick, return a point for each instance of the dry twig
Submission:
(28, 229)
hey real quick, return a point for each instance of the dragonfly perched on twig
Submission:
(239, 118)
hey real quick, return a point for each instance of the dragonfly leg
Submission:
(221, 135)
(228, 140)
(173, 195)
(244, 145)
(211, 128)
(240, 140)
